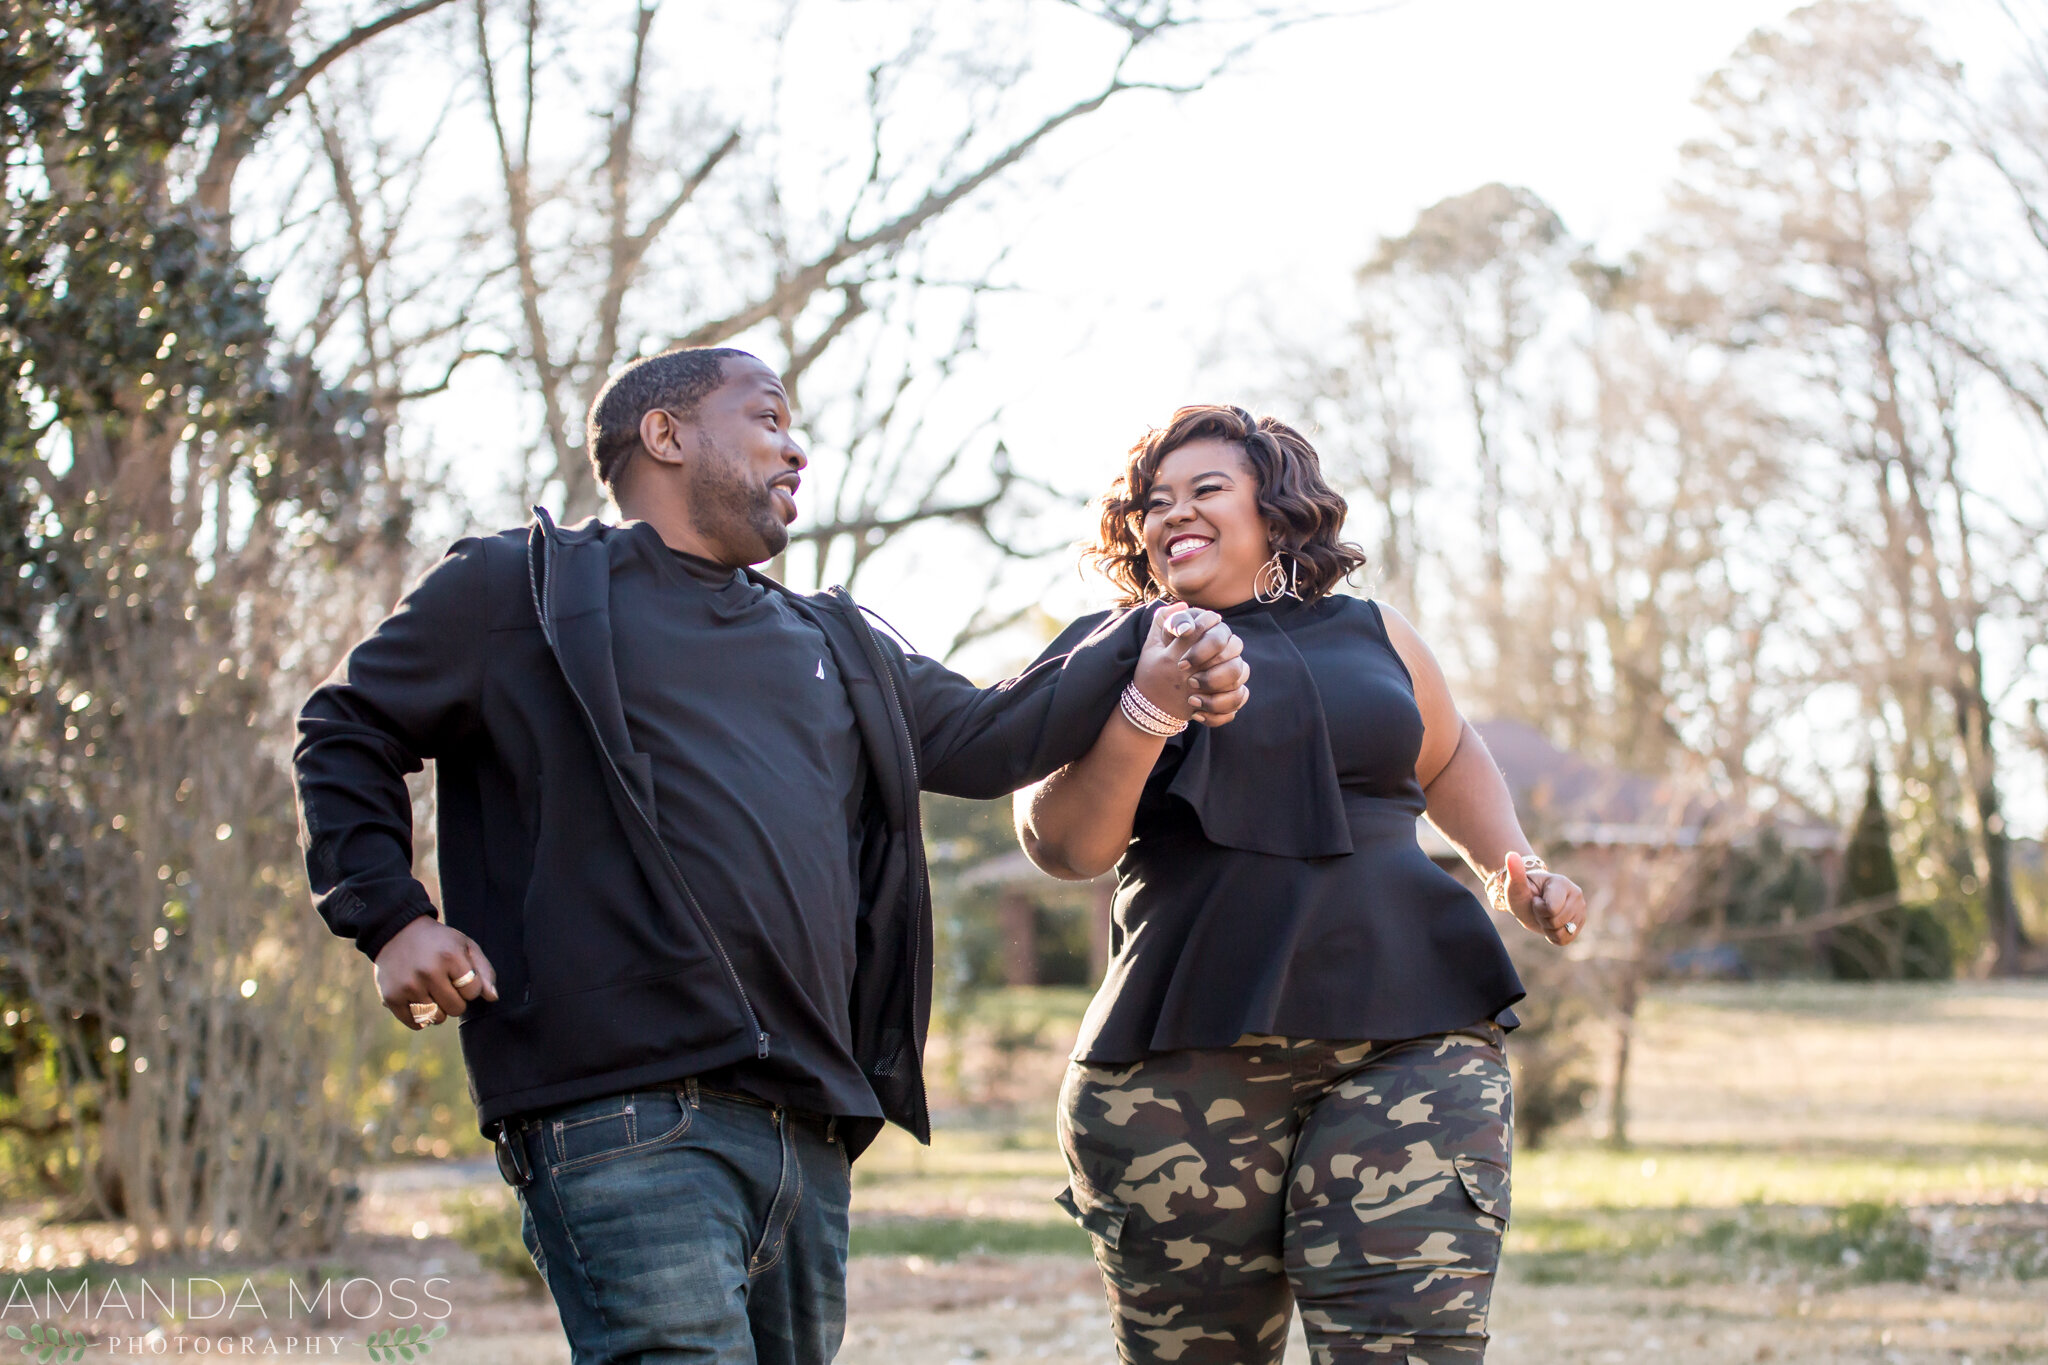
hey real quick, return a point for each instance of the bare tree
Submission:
(828, 262)
(1365, 402)
(1475, 270)
(1806, 241)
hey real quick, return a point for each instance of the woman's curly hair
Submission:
(1305, 514)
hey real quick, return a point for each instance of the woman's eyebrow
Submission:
(1167, 484)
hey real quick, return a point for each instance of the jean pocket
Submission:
(1486, 1185)
(1098, 1214)
(630, 1124)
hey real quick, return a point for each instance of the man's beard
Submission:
(730, 511)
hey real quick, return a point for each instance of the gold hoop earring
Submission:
(1276, 580)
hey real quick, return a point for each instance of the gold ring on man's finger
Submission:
(463, 980)
(426, 1013)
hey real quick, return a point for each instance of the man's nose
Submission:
(793, 455)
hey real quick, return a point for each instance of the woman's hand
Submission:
(1544, 902)
(1189, 666)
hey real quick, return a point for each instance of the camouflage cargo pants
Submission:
(1367, 1182)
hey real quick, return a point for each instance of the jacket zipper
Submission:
(918, 868)
(689, 897)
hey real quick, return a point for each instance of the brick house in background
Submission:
(1591, 814)
(1601, 824)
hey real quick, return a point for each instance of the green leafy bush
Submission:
(1872, 1242)
(1875, 1242)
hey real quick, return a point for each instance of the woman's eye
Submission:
(1209, 488)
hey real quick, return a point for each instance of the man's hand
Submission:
(1190, 667)
(1544, 902)
(434, 967)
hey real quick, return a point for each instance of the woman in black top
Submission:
(1290, 1087)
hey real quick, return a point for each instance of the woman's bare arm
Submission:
(1469, 801)
(1076, 823)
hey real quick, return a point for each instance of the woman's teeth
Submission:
(1183, 548)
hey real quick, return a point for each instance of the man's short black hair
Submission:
(676, 380)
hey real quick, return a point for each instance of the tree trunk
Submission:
(1628, 995)
(2001, 910)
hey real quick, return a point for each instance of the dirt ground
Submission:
(905, 1310)
(1718, 1238)
(1050, 1308)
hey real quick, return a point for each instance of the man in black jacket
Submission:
(687, 930)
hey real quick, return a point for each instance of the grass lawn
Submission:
(1819, 1174)
(1815, 1170)
(1798, 1094)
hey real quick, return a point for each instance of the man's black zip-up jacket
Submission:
(498, 666)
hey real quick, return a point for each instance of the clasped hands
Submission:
(1189, 666)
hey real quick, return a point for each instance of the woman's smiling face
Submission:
(1203, 533)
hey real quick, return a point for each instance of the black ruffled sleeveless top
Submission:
(1273, 883)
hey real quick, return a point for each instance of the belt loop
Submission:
(831, 1128)
(690, 1091)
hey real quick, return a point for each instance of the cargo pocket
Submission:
(1486, 1184)
(1098, 1215)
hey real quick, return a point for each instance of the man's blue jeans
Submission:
(686, 1224)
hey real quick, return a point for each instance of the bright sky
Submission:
(1324, 139)
(1328, 137)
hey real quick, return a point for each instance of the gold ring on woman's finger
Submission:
(459, 982)
(1571, 930)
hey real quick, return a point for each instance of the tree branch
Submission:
(653, 228)
(346, 44)
(808, 280)
(801, 359)
(974, 513)
(238, 133)
(518, 212)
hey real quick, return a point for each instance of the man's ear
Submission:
(661, 436)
